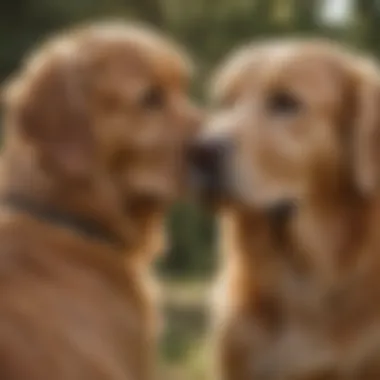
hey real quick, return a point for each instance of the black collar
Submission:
(84, 227)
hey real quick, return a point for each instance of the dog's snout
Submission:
(208, 160)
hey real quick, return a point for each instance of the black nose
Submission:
(208, 164)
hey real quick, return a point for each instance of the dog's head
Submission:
(292, 118)
(107, 101)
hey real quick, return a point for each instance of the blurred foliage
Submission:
(210, 29)
(191, 242)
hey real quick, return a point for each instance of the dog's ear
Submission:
(364, 111)
(49, 109)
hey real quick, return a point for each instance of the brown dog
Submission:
(294, 153)
(96, 126)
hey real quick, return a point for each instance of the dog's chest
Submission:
(322, 332)
(284, 350)
(297, 353)
(292, 354)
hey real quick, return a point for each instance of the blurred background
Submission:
(210, 29)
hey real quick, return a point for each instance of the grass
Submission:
(183, 346)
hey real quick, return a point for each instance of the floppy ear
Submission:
(366, 127)
(49, 108)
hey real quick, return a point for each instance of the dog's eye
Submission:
(283, 104)
(153, 98)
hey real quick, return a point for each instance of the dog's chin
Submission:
(212, 192)
(280, 210)
(210, 199)
(149, 199)
(210, 196)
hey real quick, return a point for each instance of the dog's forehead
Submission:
(294, 60)
(146, 50)
(276, 62)
(316, 73)
(118, 47)
(248, 63)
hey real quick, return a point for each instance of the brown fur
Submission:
(96, 124)
(301, 302)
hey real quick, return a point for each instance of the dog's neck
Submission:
(329, 231)
(324, 240)
(137, 227)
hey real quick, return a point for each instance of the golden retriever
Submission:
(292, 154)
(96, 125)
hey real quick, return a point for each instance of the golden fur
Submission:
(96, 124)
(299, 300)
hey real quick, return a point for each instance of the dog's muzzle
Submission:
(208, 166)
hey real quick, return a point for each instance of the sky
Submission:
(336, 11)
